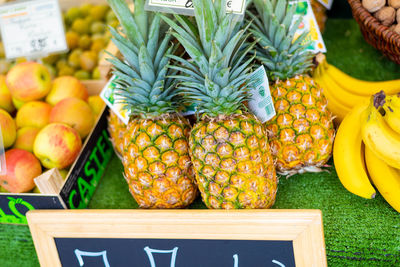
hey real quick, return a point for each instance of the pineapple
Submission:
(116, 128)
(155, 145)
(301, 134)
(228, 146)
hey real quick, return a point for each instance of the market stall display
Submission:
(226, 160)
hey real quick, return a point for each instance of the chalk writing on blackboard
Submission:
(80, 253)
(150, 251)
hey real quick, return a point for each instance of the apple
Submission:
(57, 145)
(65, 87)
(28, 81)
(63, 173)
(74, 112)
(96, 104)
(34, 114)
(25, 138)
(22, 168)
(5, 96)
(8, 128)
(17, 103)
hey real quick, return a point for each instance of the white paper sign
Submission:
(32, 28)
(309, 23)
(326, 3)
(185, 7)
(108, 95)
(3, 169)
(261, 103)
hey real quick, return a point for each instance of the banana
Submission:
(361, 87)
(334, 105)
(379, 137)
(385, 178)
(348, 155)
(345, 97)
(392, 116)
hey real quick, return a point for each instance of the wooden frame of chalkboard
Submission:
(54, 233)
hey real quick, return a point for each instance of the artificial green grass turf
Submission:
(358, 232)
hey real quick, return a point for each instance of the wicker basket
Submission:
(377, 35)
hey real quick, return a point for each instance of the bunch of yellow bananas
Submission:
(345, 92)
(377, 125)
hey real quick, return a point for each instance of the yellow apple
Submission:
(57, 145)
(25, 138)
(8, 128)
(5, 96)
(65, 87)
(74, 112)
(96, 104)
(22, 168)
(28, 81)
(34, 114)
(63, 173)
(17, 103)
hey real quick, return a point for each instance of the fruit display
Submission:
(155, 148)
(116, 128)
(344, 92)
(46, 127)
(301, 134)
(367, 125)
(388, 13)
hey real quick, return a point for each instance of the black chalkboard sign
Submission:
(95, 252)
(178, 238)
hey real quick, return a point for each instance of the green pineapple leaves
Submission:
(276, 50)
(143, 80)
(215, 78)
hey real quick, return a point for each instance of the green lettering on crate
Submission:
(72, 197)
(85, 190)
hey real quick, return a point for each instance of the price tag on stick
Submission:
(32, 28)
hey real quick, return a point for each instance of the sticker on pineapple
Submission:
(3, 169)
(261, 103)
(326, 3)
(185, 7)
(314, 40)
(108, 95)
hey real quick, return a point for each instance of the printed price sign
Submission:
(32, 28)
(185, 7)
(261, 103)
(314, 39)
(3, 169)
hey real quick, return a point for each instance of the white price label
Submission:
(32, 28)
(109, 97)
(185, 7)
(261, 103)
(3, 169)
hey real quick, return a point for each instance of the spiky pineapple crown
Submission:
(215, 77)
(272, 26)
(143, 74)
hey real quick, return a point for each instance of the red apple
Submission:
(25, 138)
(6, 102)
(65, 87)
(33, 114)
(57, 145)
(28, 81)
(74, 112)
(22, 168)
(8, 128)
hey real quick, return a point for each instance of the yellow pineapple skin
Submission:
(301, 134)
(116, 129)
(157, 164)
(232, 162)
